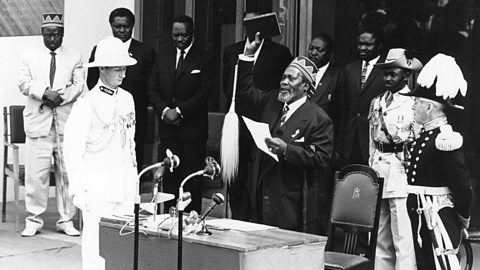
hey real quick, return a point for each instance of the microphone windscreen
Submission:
(209, 170)
(218, 198)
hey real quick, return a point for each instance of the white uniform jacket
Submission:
(99, 146)
(398, 119)
(34, 79)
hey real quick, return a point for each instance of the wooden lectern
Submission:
(225, 249)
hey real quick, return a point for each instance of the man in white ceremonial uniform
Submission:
(391, 127)
(52, 77)
(100, 148)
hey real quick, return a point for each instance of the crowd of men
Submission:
(371, 112)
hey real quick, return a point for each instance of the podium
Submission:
(272, 248)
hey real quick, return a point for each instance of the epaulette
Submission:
(448, 140)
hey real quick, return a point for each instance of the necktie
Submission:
(388, 98)
(364, 74)
(284, 115)
(53, 67)
(180, 59)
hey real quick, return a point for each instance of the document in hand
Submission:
(266, 24)
(259, 132)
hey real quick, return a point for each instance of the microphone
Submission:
(174, 160)
(212, 169)
(171, 161)
(217, 199)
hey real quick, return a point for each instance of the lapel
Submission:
(373, 74)
(171, 59)
(357, 80)
(323, 85)
(191, 55)
(292, 127)
(262, 55)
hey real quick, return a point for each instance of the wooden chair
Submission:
(14, 135)
(355, 211)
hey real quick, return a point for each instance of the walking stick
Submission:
(60, 160)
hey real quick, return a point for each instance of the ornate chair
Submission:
(355, 211)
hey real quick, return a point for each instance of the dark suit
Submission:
(327, 93)
(135, 82)
(269, 67)
(355, 105)
(326, 96)
(189, 89)
(284, 193)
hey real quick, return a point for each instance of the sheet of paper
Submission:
(225, 223)
(259, 132)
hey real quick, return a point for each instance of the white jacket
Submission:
(34, 79)
(99, 147)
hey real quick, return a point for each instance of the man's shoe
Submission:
(30, 230)
(68, 229)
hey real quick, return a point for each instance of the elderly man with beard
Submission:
(284, 193)
(391, 127)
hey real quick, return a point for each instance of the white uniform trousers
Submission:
(37, 180)
(395, 241)
(91, 259)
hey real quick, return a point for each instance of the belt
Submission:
(428, 190)
(389, 147)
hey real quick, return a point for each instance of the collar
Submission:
(321, 71)
(57, 51)
(435, 123)
(107, 90)
(371, 62)
(186, 50)
(127, 44)
(292, 107)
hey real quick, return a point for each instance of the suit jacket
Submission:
(327, 93)
(269, 66)
(188, 89)
(34, 79)
(286, 189)
(355, 107)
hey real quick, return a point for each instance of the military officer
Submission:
(100, 148)
(439, 186)
(391, 122)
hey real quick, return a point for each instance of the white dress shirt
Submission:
(370, 65)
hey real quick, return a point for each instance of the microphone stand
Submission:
(136, 210)
(181, 204)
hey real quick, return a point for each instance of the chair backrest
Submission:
(356, 207)
(215, 125)
(14, 126)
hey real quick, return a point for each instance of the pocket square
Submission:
(195, 71)
(302, 139)
(296, 133)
